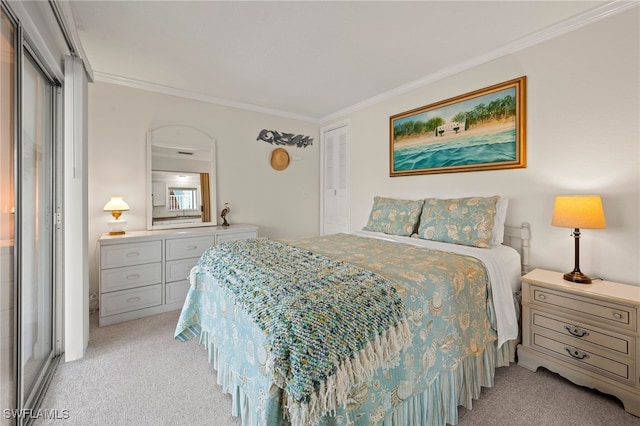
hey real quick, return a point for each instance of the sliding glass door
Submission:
(7, 212)
(36, 228)
(29, 129)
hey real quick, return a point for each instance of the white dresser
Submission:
(146, 272)
(587, 333)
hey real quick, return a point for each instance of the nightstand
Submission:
(587, 333)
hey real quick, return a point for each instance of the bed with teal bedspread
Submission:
(260, 308)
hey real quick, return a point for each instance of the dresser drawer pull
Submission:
(577, 354)
(133, 254)
(617, 316)
(133, 276)
(576, 331)
(541, 297)
(133, 300)
(192, 247)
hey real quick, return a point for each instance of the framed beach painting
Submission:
(481, 130)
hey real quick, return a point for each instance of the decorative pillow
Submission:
(498, 221)
(396, 217)
(466, 221)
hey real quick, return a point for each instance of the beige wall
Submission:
(284, 204)
(583, 137)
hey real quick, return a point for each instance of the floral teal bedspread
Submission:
(328, 324)
(445, 297)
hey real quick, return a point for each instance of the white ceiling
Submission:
(309, 60)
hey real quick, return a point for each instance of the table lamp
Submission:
(116, 206)
(578, 211)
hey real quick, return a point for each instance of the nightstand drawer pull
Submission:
(133, 299)
(133, 254)
(576, 331)
(617, 316)
(192, 247)
(133, 276)
(541, 297)
(576, 353)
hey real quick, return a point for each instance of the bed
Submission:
(389, 325)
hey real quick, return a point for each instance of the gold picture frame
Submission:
(481, 130)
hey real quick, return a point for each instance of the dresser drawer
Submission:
(179, 269)
(176, 291)
(182, 248)
(130, 277)
(616, 369)
(113, 256)
(600, 312)
(129, 300)
(234, 236)
(579, 332)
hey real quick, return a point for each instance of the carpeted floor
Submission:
(135, 373)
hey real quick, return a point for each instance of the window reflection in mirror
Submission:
(177, 197)
(184, 199)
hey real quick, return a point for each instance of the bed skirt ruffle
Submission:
(437, 405)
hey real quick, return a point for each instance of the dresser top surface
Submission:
(625, 293)
(131, 236)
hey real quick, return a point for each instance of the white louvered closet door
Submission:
(335, 180)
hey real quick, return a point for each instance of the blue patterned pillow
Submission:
(396, 217)
(466, 221)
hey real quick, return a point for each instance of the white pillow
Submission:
(498, 221)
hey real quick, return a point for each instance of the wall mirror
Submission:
(181, 184)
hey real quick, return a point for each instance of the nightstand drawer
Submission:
(580, 332)
(589, 360)
(129, 300)
(130, 277)
(601, 312)
(182, 248)
(113, 256)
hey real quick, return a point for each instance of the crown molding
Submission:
(547, 33)
(166, 90)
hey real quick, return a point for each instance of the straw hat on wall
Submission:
(279, 159)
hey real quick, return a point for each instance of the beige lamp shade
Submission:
(578, 211)
(116, 206)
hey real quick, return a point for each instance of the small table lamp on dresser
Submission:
(116, 206)
(578, 211)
